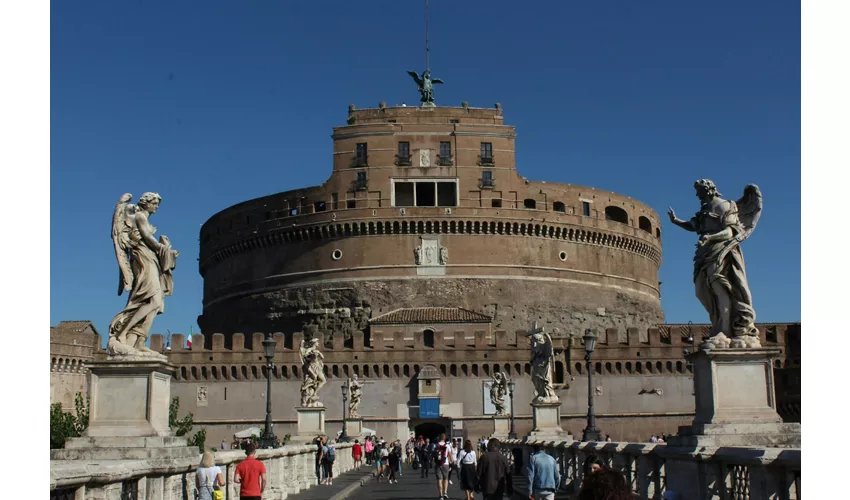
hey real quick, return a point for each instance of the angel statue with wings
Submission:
(542, 354)
(719, 274)
(355, 388)
(145, 265)
(426, 86)
(312, 367)
(498, 389)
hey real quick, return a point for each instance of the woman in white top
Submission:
(208, 476)
(468, 462)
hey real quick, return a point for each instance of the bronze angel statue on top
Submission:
(720, 277)
(145, 265)
(426, 86)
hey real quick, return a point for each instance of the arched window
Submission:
(658, 232)
(254, 372)
(474, 370)
(639, 367)
(396, 371)
(658, 367)
(486, 369)
(335, 371)
(527, 368)
(406, 370)
(578, 368)
(517, 369)
(294, 371)
(670, 367)
(559, 372)
(453, 370)
(529, 204)
(559, 207)
(616, 214)
(365, 370)
(629, 367)
(195, 372)
(598, 367)
(428, 337)
(183, 372)
(608, 368)
(244, 373)
(464, 370)
(284, 372)
(644, 224)
(215, 373)
(619, 367)
(387, 371)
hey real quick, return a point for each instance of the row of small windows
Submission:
(403, 158)
(442, 194)
(345, 370)
(67, 365)
(629, 367)
(442, 227)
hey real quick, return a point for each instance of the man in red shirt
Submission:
(251, 474)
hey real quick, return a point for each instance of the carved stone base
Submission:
(547, 423)
(311, 423)
(735, 401)
(501, 426)
(128, 414)
(354, 428)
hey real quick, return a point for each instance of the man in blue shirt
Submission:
(543, 476)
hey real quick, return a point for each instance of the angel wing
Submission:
(415, 77)
(749, 210)
(436, 80)
(121, 240)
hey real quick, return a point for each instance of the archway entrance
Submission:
(430, 429)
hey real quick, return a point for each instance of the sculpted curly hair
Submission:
(605, 484)
(708, 185)
(149, 198)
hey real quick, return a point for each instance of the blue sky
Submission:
(213, 103)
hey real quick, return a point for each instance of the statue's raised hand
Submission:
(672, 214)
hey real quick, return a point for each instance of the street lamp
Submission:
(343, 438)
(591, 433)
(511, 387)
(268, 438)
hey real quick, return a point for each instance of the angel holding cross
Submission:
(542, 354)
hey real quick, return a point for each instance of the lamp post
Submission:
(511, 387)
(343, 438)
(591, 433)
(268, 438)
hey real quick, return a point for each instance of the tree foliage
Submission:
(183, 426)
(65, 424)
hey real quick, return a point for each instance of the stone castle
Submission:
(421, 262)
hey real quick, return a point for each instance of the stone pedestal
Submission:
(128, 413)
(501, 426)
(354, 428)
(735, 401)
(311, 422)
(547, 423)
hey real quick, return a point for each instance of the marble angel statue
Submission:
(312, 366)
(145, 271)
(355, 389)
(498, 389)
(542, 355)
(720, 277)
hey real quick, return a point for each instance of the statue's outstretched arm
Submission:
(684, 224)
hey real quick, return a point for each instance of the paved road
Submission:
(409, 486)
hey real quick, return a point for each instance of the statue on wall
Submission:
(542, 356)
(426, 86)
(355, 389)
(312, 368)
(720, 277)
(444, 255)
(498, 389)
(417, 255)
(145, 267)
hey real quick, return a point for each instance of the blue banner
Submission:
(429, 408)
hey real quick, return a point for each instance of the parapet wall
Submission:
(391, 352)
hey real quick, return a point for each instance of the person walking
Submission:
(543, 476)
(251, 475)
(425, 457)
(494, 473)
(320, 459)
(370, 447)
(357, 454)
(454, 466)
(393, 459)
(443, 459)
(397, 449)
(208, 477)
(467, 460)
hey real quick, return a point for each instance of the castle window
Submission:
(529, 204)
(487, 179)
(486, 153)
(350, 203)
(496, 203)
(616, 214)
(644, 224)
(445, 158)
(362, 157)
(320, 206)
(335, 201)
(559, 207)
(585, 208)
(403, 158)
(424, 193)
(428, 338)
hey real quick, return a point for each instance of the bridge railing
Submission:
(653, 470)
(289, 469)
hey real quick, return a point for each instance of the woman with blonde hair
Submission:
(208, 477)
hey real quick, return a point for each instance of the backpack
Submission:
(331, 456)
(440, 453)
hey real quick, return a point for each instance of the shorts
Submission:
(442, 472)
